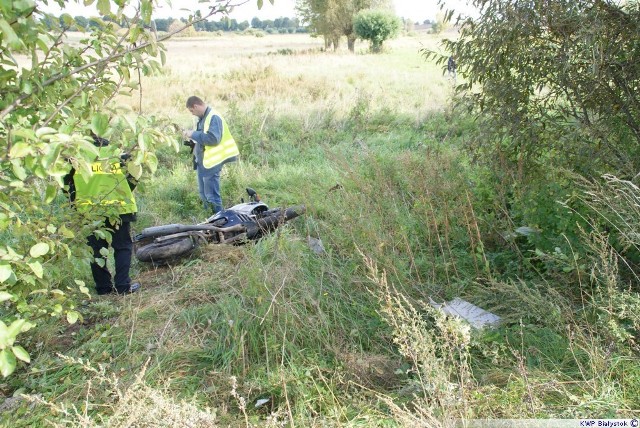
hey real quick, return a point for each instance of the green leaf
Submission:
(152, 162)
(142, 143)
(5, 272)
(135, 170)
(36, 267)
(72, 317)
(104, 7)
(145, 10)
(67, 19)
(40, 132)
(83, 288)
(14, 330)
(9, 36)
(91, 150)
(4, 222)
(100, 124)
(21, 354)
(20, 150)
(40, 249)
(66, 232)
(7, 362)
(260, 2)
(18, 170)
(27, 88)
(3, 335)
(50, 194)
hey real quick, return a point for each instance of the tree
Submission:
(177, 24)
(47, 112)
(256, 23)
(443, 22)
(163, 24)
(81, 22)
(553, 87)
(334, 18)
(376, 26)
(556, 79)
(408, 25)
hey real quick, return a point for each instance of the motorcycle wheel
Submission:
(166, 251)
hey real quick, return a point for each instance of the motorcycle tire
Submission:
(166, 251)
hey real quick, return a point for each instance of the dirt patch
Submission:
(217, 252)
(371, 370)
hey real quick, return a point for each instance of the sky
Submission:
(416, 10)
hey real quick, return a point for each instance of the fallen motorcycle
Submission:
(247, 221)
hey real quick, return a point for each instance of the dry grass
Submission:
(134, 406)
(290, 75)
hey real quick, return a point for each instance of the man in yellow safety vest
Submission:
(110, 193)
(213, 146)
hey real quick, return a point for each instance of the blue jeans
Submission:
(209, 187)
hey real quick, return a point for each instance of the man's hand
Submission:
(187, 133)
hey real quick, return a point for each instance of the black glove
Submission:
(189, 143)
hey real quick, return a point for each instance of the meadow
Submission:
(274, 334)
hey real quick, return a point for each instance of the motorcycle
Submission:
(247, 221)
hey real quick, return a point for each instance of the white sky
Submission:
(416, 10)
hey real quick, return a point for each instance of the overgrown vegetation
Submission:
(412, 200)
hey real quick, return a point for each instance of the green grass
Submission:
(378, 158)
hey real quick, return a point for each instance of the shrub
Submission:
(376, 26)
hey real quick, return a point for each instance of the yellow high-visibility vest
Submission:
(107, 186)
(227, 148)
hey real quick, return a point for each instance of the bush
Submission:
(376, 26)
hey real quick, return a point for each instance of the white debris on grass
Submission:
(261, 401)
(471, 313)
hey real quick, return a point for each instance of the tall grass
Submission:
(345, 337)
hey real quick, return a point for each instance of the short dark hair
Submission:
(194, 101)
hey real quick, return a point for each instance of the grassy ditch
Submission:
(345, 337)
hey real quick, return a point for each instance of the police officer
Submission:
(214, 146)
(111, 192)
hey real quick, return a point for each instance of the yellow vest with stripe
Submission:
(227, 148)
(108, 186)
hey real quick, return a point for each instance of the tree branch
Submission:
(102, 61)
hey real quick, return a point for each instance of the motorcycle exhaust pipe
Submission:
(271, 222)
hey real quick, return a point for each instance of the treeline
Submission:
(281, 25)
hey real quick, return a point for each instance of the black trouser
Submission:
(123, 248)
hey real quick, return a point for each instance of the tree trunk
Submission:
(351, 43)
(327, 42)
(336, 42)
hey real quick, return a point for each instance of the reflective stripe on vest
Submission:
(107, 186)
(227, 148)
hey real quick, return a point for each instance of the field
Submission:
(273, 334)
(294, 76)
